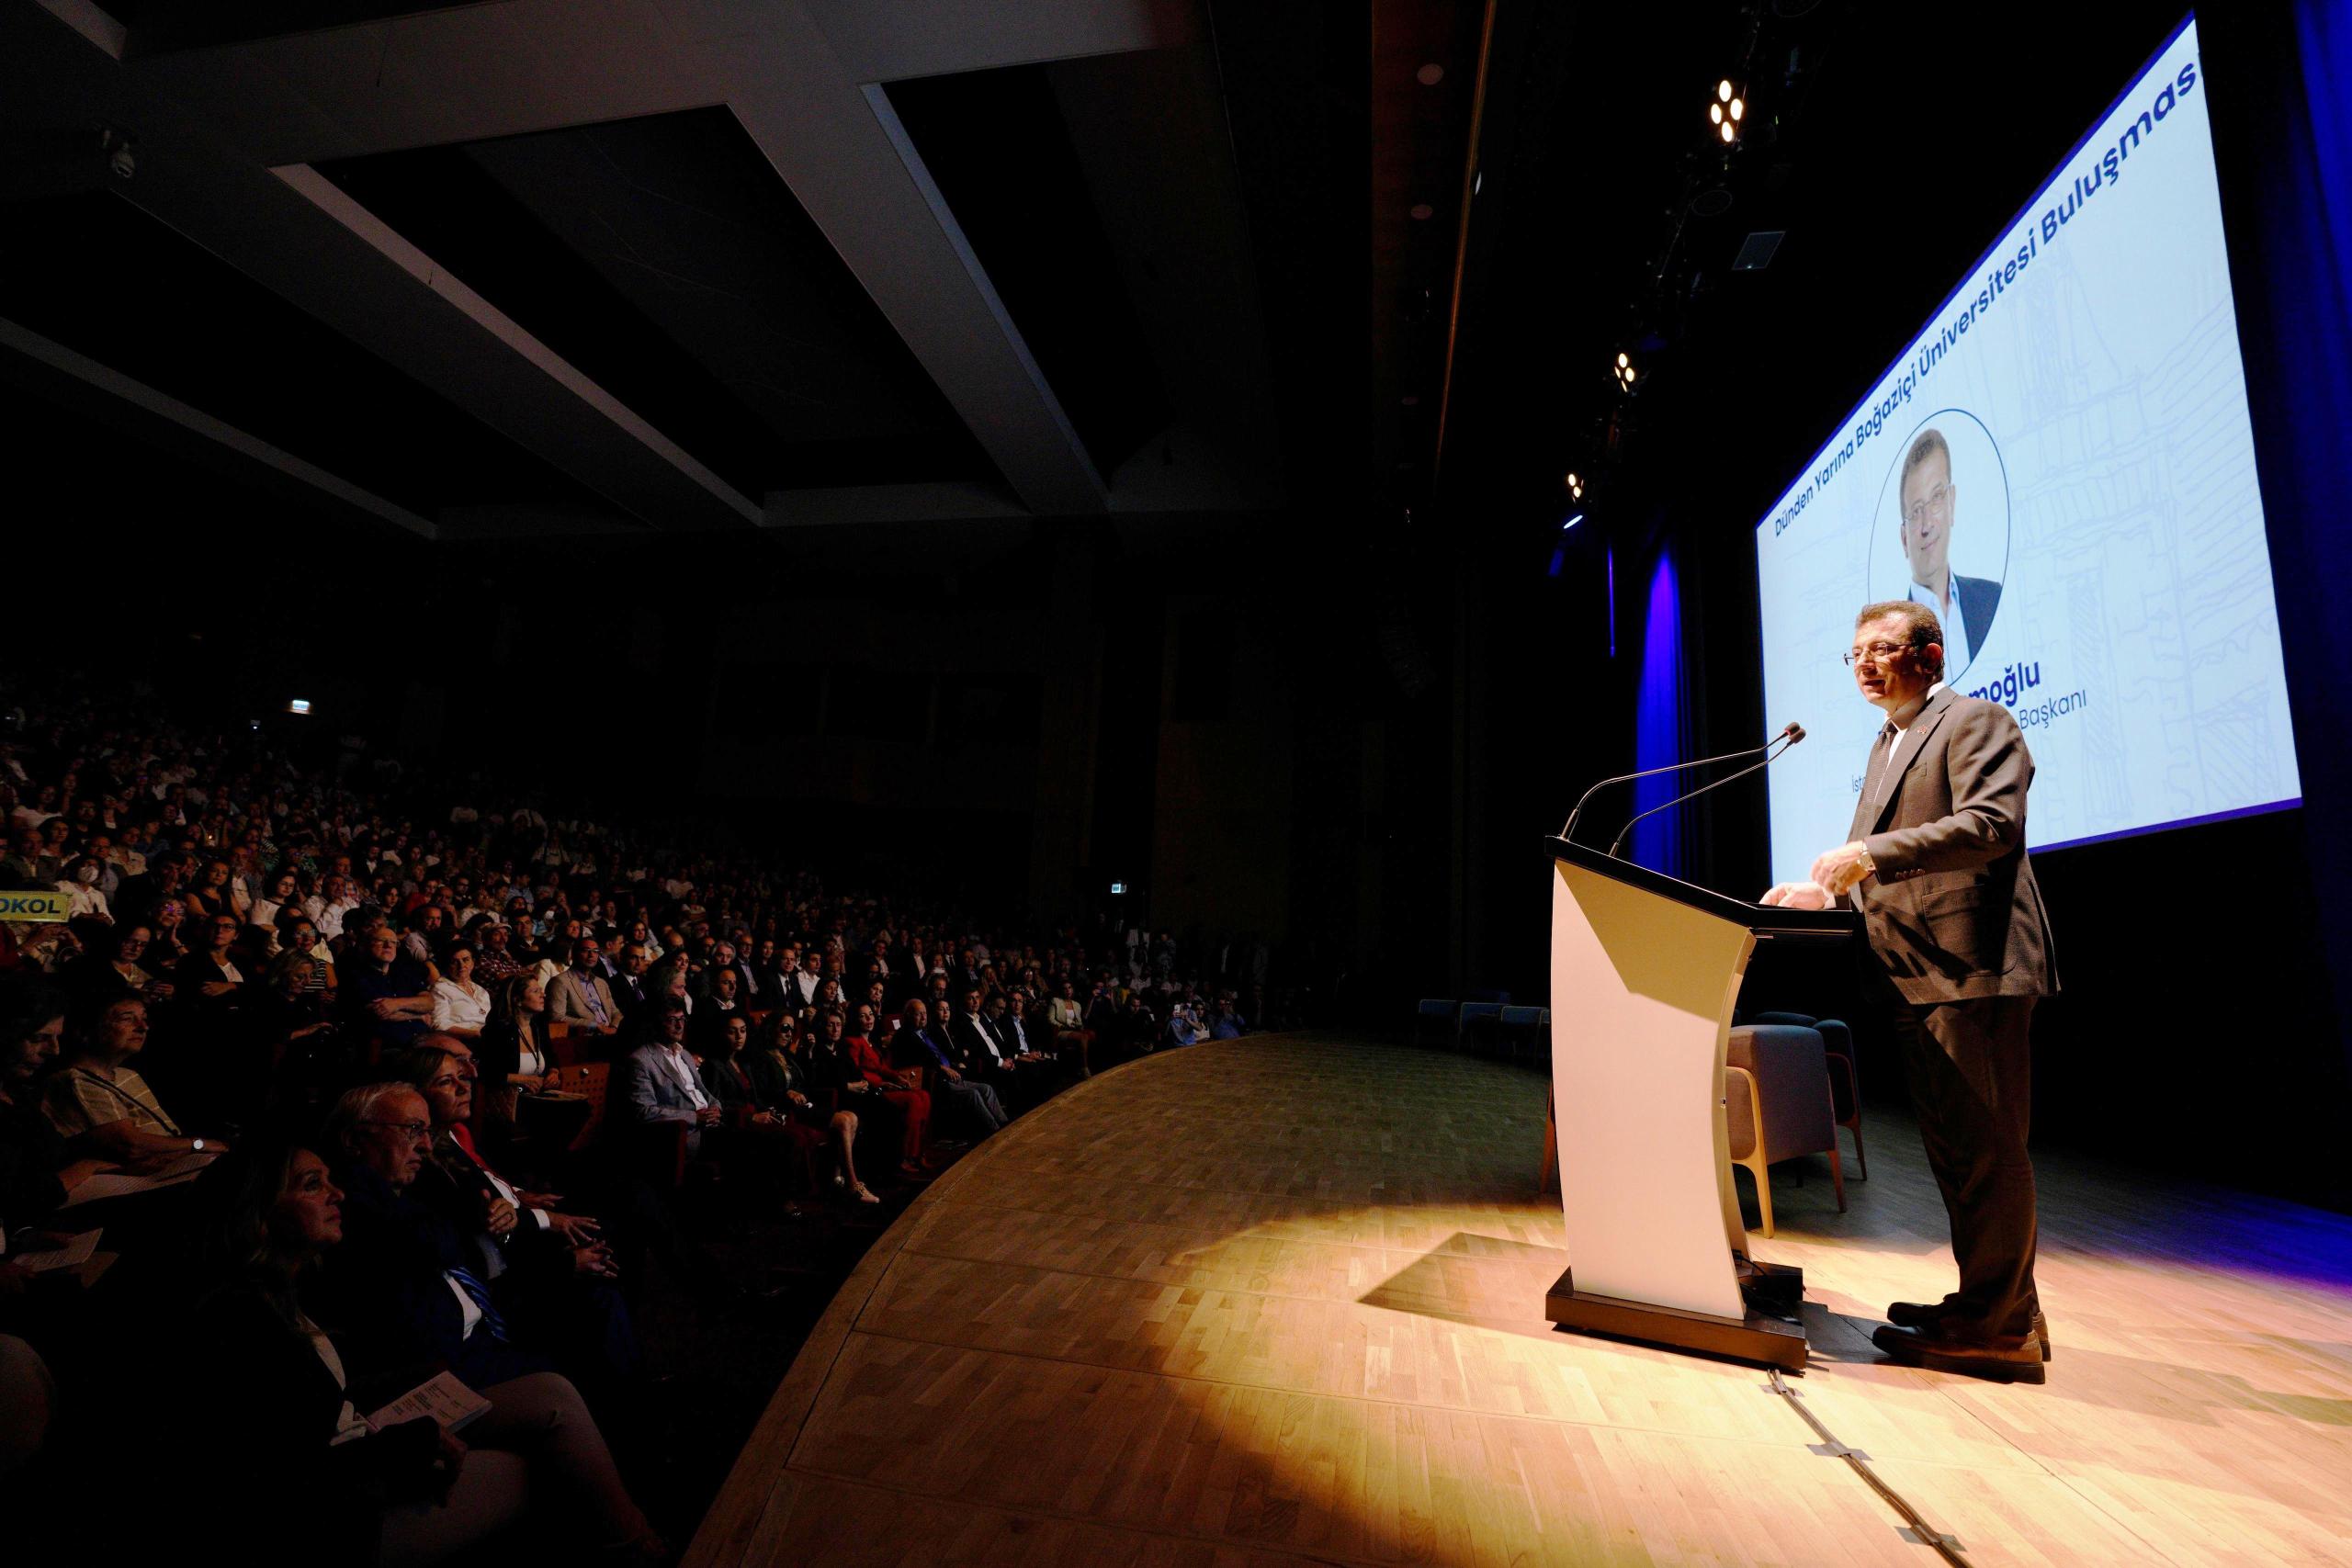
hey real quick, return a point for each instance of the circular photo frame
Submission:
(1964, 524)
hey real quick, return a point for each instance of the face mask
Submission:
(88, 873)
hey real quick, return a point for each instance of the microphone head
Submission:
(1795, 733)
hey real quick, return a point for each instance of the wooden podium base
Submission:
(1757, 1337)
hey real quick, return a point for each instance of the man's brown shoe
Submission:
(2001, 1361)
(1926, 1315)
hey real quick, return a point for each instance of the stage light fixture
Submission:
(1623, 370)
(1727, 109)
(1576, 488)
(298, 704)
(1572, 522)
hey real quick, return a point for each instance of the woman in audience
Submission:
(341, 1488)
(782, 1081)
(460, 1006)
(284, 1016)
(836, 1062)
(281, 890)
(299, 934)
(169, 944)
(37, 1169)
(1066, 1020)
(120, 972)
(209, 982)
(102, 1105)
(518, 1068)
(212, 895)
(79, 884)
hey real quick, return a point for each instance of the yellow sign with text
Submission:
(35, 904)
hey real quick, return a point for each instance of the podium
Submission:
(1645, 970)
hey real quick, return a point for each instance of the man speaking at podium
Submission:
(1936, 863)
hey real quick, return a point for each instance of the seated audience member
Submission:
(1223, 1022)
(297, 933)
(116, 970)
(783, 1079)
(285, 1401)
(86, 901)
(1138, 1028)
(281, 891)
(631, 986)
(1008, 1015)
(209, 984)
(1066, 1020)
(385, 998)
(580, 997)
(168, 945)
(460, 1005)
(37, 1169)
(407, 1287)
(720, 1002)
(282, 1017)
(102, 1106)
(925, 1047)
(835, 1063)
(1184, 1025)
(659, 1083)
(764, 1141)
(544, 1267)
(494, 961)
(518, 1069)
(981, 1053)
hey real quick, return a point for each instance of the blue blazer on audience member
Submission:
(384, 1294)
(922, 1048)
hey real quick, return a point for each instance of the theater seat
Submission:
(1527, 1033)
(1477, 1024)
(1776, 1090)
(1434, 1023)
(1845, 1077)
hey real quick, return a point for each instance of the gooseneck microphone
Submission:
(1792, 734)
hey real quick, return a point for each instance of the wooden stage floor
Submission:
(1279, 1300)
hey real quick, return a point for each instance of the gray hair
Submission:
(355, 1106)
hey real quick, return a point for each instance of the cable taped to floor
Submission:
(1946, 1546)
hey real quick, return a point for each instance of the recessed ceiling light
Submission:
(1430, 76)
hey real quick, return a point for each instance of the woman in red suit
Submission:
(863, 1065)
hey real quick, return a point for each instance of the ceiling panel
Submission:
(664, 257)
(95, 273)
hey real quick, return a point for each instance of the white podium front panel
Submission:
(1642, 987)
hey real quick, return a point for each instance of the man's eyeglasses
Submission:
(1937, 501)
(415, 1130)
(1877, 653)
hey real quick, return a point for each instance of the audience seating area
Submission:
(337, 1062)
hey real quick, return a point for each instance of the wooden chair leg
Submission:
(1756, 1167)
(1547, 1178)
(1837, 1178)
(1861, 1165)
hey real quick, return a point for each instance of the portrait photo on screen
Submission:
(1942, 534)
